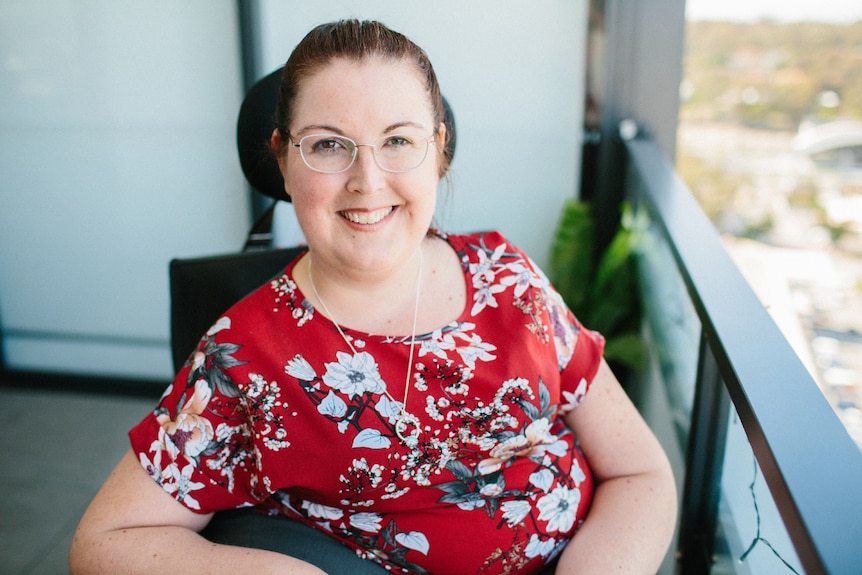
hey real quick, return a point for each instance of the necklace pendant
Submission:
(407, 429)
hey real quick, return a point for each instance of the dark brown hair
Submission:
(353, 40)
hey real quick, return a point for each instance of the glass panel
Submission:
(751, 538)
(770, 142)
(672, 326)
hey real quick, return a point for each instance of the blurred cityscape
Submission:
(770, 141)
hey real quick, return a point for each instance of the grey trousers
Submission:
(248, 528)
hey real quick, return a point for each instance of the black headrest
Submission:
(253, 131)
(254, 128)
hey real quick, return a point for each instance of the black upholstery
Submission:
(254, 128)
(204, 288)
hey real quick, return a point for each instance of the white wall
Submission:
(514, 74)
(117, 150)
(116, 153)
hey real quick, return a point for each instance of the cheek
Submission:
(303, 185)
(423, 191)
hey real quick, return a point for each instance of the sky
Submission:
(836, 11)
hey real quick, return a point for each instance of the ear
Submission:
(276, 147)
(442, 145)
(441, 132)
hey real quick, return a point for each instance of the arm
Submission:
(133, 526)
(630, 524)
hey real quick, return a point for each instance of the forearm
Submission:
(133, 526)
(173, 550)
(628, 529)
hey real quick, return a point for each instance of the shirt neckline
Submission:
(318, 315)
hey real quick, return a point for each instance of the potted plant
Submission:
(601, 288)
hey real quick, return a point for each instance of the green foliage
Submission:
(781, 67)
(572, 254)
(600, 288)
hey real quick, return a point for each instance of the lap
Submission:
(248, 528)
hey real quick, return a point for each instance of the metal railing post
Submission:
(704, 462)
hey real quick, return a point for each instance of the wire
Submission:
(757, 537)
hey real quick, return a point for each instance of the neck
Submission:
(384, 304)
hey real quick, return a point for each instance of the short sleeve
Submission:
(579, 349)
(197, 443)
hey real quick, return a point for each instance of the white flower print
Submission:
(483, 270)
(522, 278)
(226, 460)
(438, 344)
(538, 546)
(574, 399)
(471, 505)
(515, 510)
(190, 433)
(221, 324)
(559, 508)
(354, 374)
(333, 406)
(484, 297)
(180, 483)
(476, 350)
(414, 540)
(542, 479)
(153, 467)
(299, 368)
(322, 511)
(388, 408)
(491, 490)
(263, 392)
(369, 522)
(532, 443)
(577, 474)
(372, 439)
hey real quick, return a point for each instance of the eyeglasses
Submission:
(331, 154)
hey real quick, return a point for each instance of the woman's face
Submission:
(365, 218)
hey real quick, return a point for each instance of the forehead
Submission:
(367, 94)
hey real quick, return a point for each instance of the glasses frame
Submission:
(430, 140)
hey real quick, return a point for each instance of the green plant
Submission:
(601, 289)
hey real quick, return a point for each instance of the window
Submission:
(770, 142)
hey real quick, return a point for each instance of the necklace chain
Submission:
(405, 419)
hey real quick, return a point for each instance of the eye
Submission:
(329, 145)
(397, 142)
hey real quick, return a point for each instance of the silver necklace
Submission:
(405, 420)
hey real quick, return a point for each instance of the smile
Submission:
(368, 218)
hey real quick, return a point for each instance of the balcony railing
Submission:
(739, 369)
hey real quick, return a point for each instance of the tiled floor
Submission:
(56, 448)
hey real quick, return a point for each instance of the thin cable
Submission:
(757, 537)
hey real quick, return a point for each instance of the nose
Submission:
(365, 175)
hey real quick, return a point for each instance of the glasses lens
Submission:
(400, 152)
(332, 154)
(327, 153)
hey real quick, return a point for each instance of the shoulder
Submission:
(277, 302)
(491, 244)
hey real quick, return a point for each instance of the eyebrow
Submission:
(327, 128)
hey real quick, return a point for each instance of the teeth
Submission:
(367, 218)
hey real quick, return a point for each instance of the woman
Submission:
(425, 399)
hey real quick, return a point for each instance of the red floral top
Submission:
(274, 410)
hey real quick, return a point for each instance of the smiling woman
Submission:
(455, 417)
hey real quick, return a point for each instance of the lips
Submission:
(367, 218)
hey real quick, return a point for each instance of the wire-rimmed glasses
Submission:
(333, 154)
